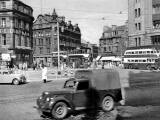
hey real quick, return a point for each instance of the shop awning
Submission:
(111, 58)
(107, 58)
(79, 55)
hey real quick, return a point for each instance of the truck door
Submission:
(83, 95)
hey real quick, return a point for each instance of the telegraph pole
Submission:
(58, 45)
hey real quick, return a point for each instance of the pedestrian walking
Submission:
(44, 73)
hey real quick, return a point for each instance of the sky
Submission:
(91, 15)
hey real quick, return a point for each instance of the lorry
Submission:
(87, 89)
(103, 88)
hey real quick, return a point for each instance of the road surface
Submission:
(18, 103)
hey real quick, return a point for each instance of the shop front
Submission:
(21, 56)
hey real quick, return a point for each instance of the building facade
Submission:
(114, 41)
(16, 21)
(144, 23)
(45, 34)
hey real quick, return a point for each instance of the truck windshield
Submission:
(70, 84)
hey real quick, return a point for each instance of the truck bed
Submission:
(140, 87)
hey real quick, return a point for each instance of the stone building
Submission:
(45, 34)
(16, 22)
(144, 23)
(114, 41)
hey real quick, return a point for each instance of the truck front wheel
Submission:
(60, 110)
(108, 103)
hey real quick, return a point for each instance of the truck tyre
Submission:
(60, 110)
(108, 103)
(15, 81)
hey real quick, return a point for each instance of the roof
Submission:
(78, 79)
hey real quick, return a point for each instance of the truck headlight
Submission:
(47, 99)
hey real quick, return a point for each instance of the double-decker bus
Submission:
(142, 59)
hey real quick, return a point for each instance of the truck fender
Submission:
(109, 94)
(116, 95)
(63, 99)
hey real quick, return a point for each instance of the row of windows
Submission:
(41, 41)
(22, 8)
(42, 34)
(140, 52)
(141, 60)
(113, 33)
(16, 22)
(155, 40)
(41, 50)
(20, 40)
(156, 9)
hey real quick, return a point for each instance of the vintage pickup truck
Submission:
(101, 89)
(88, 89)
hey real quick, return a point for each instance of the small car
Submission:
(13, 77)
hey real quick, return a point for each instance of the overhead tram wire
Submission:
(84, 11)
(89, 18)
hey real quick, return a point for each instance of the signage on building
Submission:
(6, 30)
(6, 57)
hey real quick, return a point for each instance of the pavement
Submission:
(52, 75)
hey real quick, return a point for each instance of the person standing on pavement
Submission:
(44, 73)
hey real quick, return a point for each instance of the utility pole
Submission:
(58, 45)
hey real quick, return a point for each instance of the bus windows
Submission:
(136, 52)
(140, 52)
(144, 60)
(144, 52)
(153, 60)
(136, 60)
(151, 51)
(148, 52)
(149, 60)
(156, 60)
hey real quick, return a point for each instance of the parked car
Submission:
(82, 92)
(13, 77)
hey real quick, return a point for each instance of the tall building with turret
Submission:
(45, 36)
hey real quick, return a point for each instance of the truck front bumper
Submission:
(42, 106)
